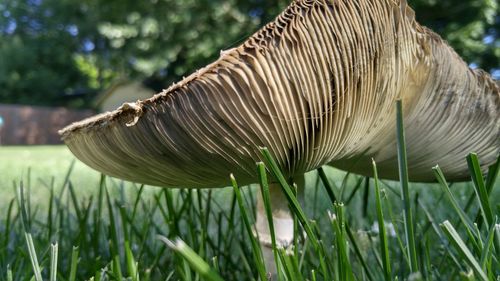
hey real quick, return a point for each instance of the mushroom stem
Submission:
(282, 222)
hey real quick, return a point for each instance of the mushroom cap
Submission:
(316, 86)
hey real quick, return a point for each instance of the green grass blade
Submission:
(469, 226)
(50, 211)
(215, 263)
(98, 213)
(129, 256)
(384, 244)
(27, 235)
(113, 245)
(313, 275)
(493, 172)
(287, 266)
(74, 263)
(326, 184)
(53, 262)
(75, 201)
(264, 187)
(294, 203)
(24, 214)
(290, 265)
(357, 251)
(403, 176)
(296, 229)
(296, 209)
(354, 191)
(462, 249)
(8, 223)
(34, 260)
(449, 195)
(244, 261)
(66, 178)
(194, 261)
(440, 235)
(137, 201)
(427, 270)
(171, 219)
(256, 251)
(480, 188)
(480, 239)
(9, 274)
(338, 223)
(497, 244)
(488, 246)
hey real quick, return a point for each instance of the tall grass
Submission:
(361, 229)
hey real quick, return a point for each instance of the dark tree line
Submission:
(63, 52)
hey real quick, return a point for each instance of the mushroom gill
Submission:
(316, 86)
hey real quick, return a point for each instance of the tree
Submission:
(36, 48)
(62, 52)
(471, 28)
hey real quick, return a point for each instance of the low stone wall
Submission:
(24, 125)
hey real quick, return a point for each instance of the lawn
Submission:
(115, 226)
(49, 161)
(40, 165)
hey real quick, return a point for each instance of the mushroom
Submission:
(316, 86)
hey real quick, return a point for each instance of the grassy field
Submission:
(41, 168)
(115, 226)
(44, 163)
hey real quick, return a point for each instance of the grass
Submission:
(41, 167)
(73, 224)
(45, 162)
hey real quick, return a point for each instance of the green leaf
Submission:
(488, 246)
(256, 251)
(326, 184)
(27, 235)
(403, 177)
(384, 244)
(296, 209)
(469, 226)
(480, 188)
(193, 259)
(344, 263)
(462, 249)
(53, 262)
(116, 267)
(129, 256)
(74, 263)
(264, 187)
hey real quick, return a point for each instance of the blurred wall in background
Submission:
(25, 125)
(121, 92)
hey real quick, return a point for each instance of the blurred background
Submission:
(63, 60)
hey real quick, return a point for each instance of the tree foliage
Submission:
(62, 52)
(471, 27)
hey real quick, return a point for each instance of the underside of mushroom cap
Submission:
(317, 85)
